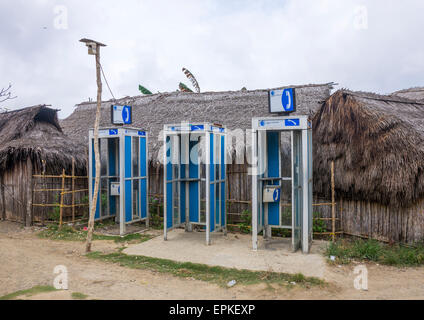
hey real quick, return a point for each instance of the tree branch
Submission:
(5, 94)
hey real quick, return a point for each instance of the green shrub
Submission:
(371, 250)
(246, 223)
(319, 226)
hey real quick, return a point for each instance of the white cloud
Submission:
(226, 44)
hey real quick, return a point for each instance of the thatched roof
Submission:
(416, 93)
(234, 109)
(377, 143)
(35, 132)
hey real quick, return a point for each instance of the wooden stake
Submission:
(333, 203)
(73, 189)
(62, 196)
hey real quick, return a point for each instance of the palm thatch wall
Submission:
(377, 144)
(32, 141)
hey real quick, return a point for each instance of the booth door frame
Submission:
(169, 146)
(169, 181)
(92, 176)
(210, 182)
(124, 179)
(300, 139)
(120, 168)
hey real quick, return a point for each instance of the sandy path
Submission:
(26, 261)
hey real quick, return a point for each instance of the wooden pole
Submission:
(73, 190)
(62, 196)
(96, 149)
(333, 203)
(43, 195)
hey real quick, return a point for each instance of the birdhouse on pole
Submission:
(92, 45)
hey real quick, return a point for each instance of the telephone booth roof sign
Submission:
(286, 123)
(282, 101)
(121, 114)
(204, 127)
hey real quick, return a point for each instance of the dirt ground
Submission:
(27, 261)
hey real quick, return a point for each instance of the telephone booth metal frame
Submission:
(123, 191)
(195, 178)
(267, 174)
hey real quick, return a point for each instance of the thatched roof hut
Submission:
(377, 143)
(416, 93)
(35, 133)
(233, 109)
(31, 140)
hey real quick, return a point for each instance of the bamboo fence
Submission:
(63, 192)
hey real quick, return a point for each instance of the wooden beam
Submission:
(62, 196)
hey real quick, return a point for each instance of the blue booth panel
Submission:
(143, 173)
(223, 176)
(273, 139)
(128, 183)
(112, 146)
(212, 188)
(194, 186)
(169, 193)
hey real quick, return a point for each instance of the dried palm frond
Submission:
(193, 80)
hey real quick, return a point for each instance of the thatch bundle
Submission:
(35, 133)
(377, 143)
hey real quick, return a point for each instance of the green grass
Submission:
(79, 296)
(68, 233)
(28, 292)
(371, 250)
(218, 275)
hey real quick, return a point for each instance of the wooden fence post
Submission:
(73, 190)
(333, 203)
(62, 196)
(29, 217)
(44, 195)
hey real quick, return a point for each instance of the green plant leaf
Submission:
(184, 88)
(143, 90)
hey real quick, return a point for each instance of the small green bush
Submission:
(371, 250)
(246, 223)
(319, 226)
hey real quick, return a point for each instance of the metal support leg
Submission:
(255, 191)
(305, 193)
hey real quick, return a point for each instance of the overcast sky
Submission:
(362, 45)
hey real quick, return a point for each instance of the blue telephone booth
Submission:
(123, 191)
(195, 178)
(282, 178)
